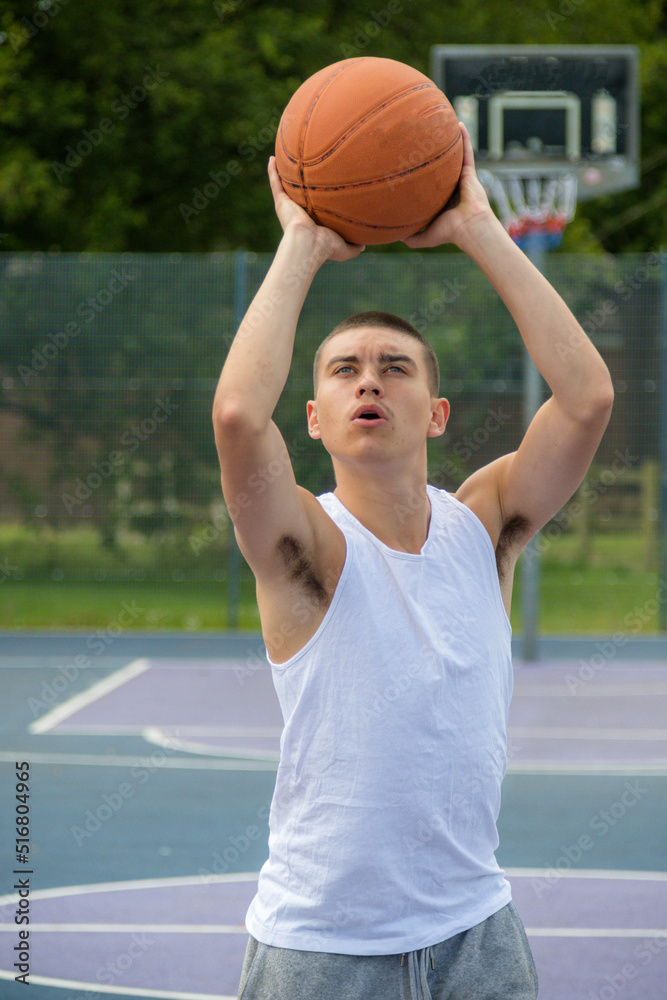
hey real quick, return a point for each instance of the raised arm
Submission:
(533, 483)
(267, 508)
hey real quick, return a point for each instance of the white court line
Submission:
(584, 733)
(85, 698)
(60, 892)
(656, 767)
(611, 874)
(154, 734)
(647, 768)
(142, 883)
(227, 730)
(597, 932)
(92, 989)
(107, 760)
(591, 932)
(130, 928)
(588, 690)
(99, 729)
(109, 728)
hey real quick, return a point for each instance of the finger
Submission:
(348, 251)
(277, 188)
(468, 151)
(354, 249)
(419, 240)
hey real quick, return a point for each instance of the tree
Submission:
(147, 127)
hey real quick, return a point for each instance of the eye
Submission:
(396, 368)
(343, 369)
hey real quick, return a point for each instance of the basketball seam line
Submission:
(376, 180)
(377, 226)
(302, 138)
(355, 128)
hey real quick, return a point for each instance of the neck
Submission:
(396, 511)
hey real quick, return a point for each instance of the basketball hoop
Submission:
(533, 208)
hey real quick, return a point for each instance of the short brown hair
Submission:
(390, 322)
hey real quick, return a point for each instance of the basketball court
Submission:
(151, 765)
(151, 774)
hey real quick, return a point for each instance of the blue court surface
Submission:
(143, 816)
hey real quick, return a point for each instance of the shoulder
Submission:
(324, 516)
(482, 494)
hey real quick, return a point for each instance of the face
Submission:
(373, 398)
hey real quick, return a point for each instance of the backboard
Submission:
(543, 111)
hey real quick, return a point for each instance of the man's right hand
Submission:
(292, 216)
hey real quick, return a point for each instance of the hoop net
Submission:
(533, 207)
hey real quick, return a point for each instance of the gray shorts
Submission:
(491, 961)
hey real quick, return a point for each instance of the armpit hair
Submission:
(511, 532)
(299, 569)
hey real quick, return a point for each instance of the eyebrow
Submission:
(382, 358)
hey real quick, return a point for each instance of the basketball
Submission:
(370, 148)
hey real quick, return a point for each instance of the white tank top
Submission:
(383, 819)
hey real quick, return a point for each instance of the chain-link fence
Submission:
(109, 366)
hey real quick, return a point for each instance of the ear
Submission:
(439, 418)
(313, 424)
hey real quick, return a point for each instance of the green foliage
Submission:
(110, 365)
(147, 127)
(109, 368)
(81, 553)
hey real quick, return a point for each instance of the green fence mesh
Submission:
(109, 365)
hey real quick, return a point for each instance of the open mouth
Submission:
(369, 418)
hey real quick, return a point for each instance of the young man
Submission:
(384, 611)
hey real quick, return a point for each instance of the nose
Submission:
(369, 383)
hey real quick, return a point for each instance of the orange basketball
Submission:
(370, 148)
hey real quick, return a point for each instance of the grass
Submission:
(141, 606)
(593, 601)
(612, 587)
(613, 590)
(609, 588)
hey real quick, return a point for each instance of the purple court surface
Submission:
(131, 897)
